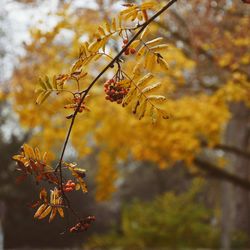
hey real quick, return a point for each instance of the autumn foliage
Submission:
(118, 71)
(136, 89)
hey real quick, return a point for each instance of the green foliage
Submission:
(170, 221)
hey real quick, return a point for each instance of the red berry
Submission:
(68, 189)
(132, 51)
(125, 41)
(126, 52)
(73, 185)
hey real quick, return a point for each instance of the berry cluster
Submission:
(69, 186)
(76, 100)
(128, 50)
(115, 92)
(82, 225)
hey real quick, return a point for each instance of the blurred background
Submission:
(183, 183)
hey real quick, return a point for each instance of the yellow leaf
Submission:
(47, 82)
(141, 51)
(148, 5)
(146, 79)
(128, 10)
(28, 151)
(153, 114)
(107, 26)
(43, 194)
(154, 41)
(42, 97)
(45, 213)
(159, 48)
(149, 61)
(144, 33)
(132, 15)
(54, 83)
(151, 87)
(42, 84)
(77, 186)
(53, 214)
(40, 210)
(113, 24)
(128, 98)
(38, 154)
(163, 63)
(60, 211)
(142, 109)
(157, 98)
(134, 44)
(101, 31)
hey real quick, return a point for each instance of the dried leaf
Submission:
(53, 214)
(40, 210)
(45, 213)
(60, 211)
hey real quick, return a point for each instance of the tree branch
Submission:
(86, 91)
(232, 149)
(221, 173)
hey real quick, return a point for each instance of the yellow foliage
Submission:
(193, 118)
(106, 176)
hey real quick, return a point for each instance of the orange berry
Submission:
(132, 51)
(73, 185)
(126, 52)
(125, 41)
(106, 84)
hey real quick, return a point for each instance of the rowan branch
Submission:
(86, 91)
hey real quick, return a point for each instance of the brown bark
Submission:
(238, 135)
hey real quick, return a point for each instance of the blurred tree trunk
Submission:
(227, 211)
(235, 200)
(2, 212)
